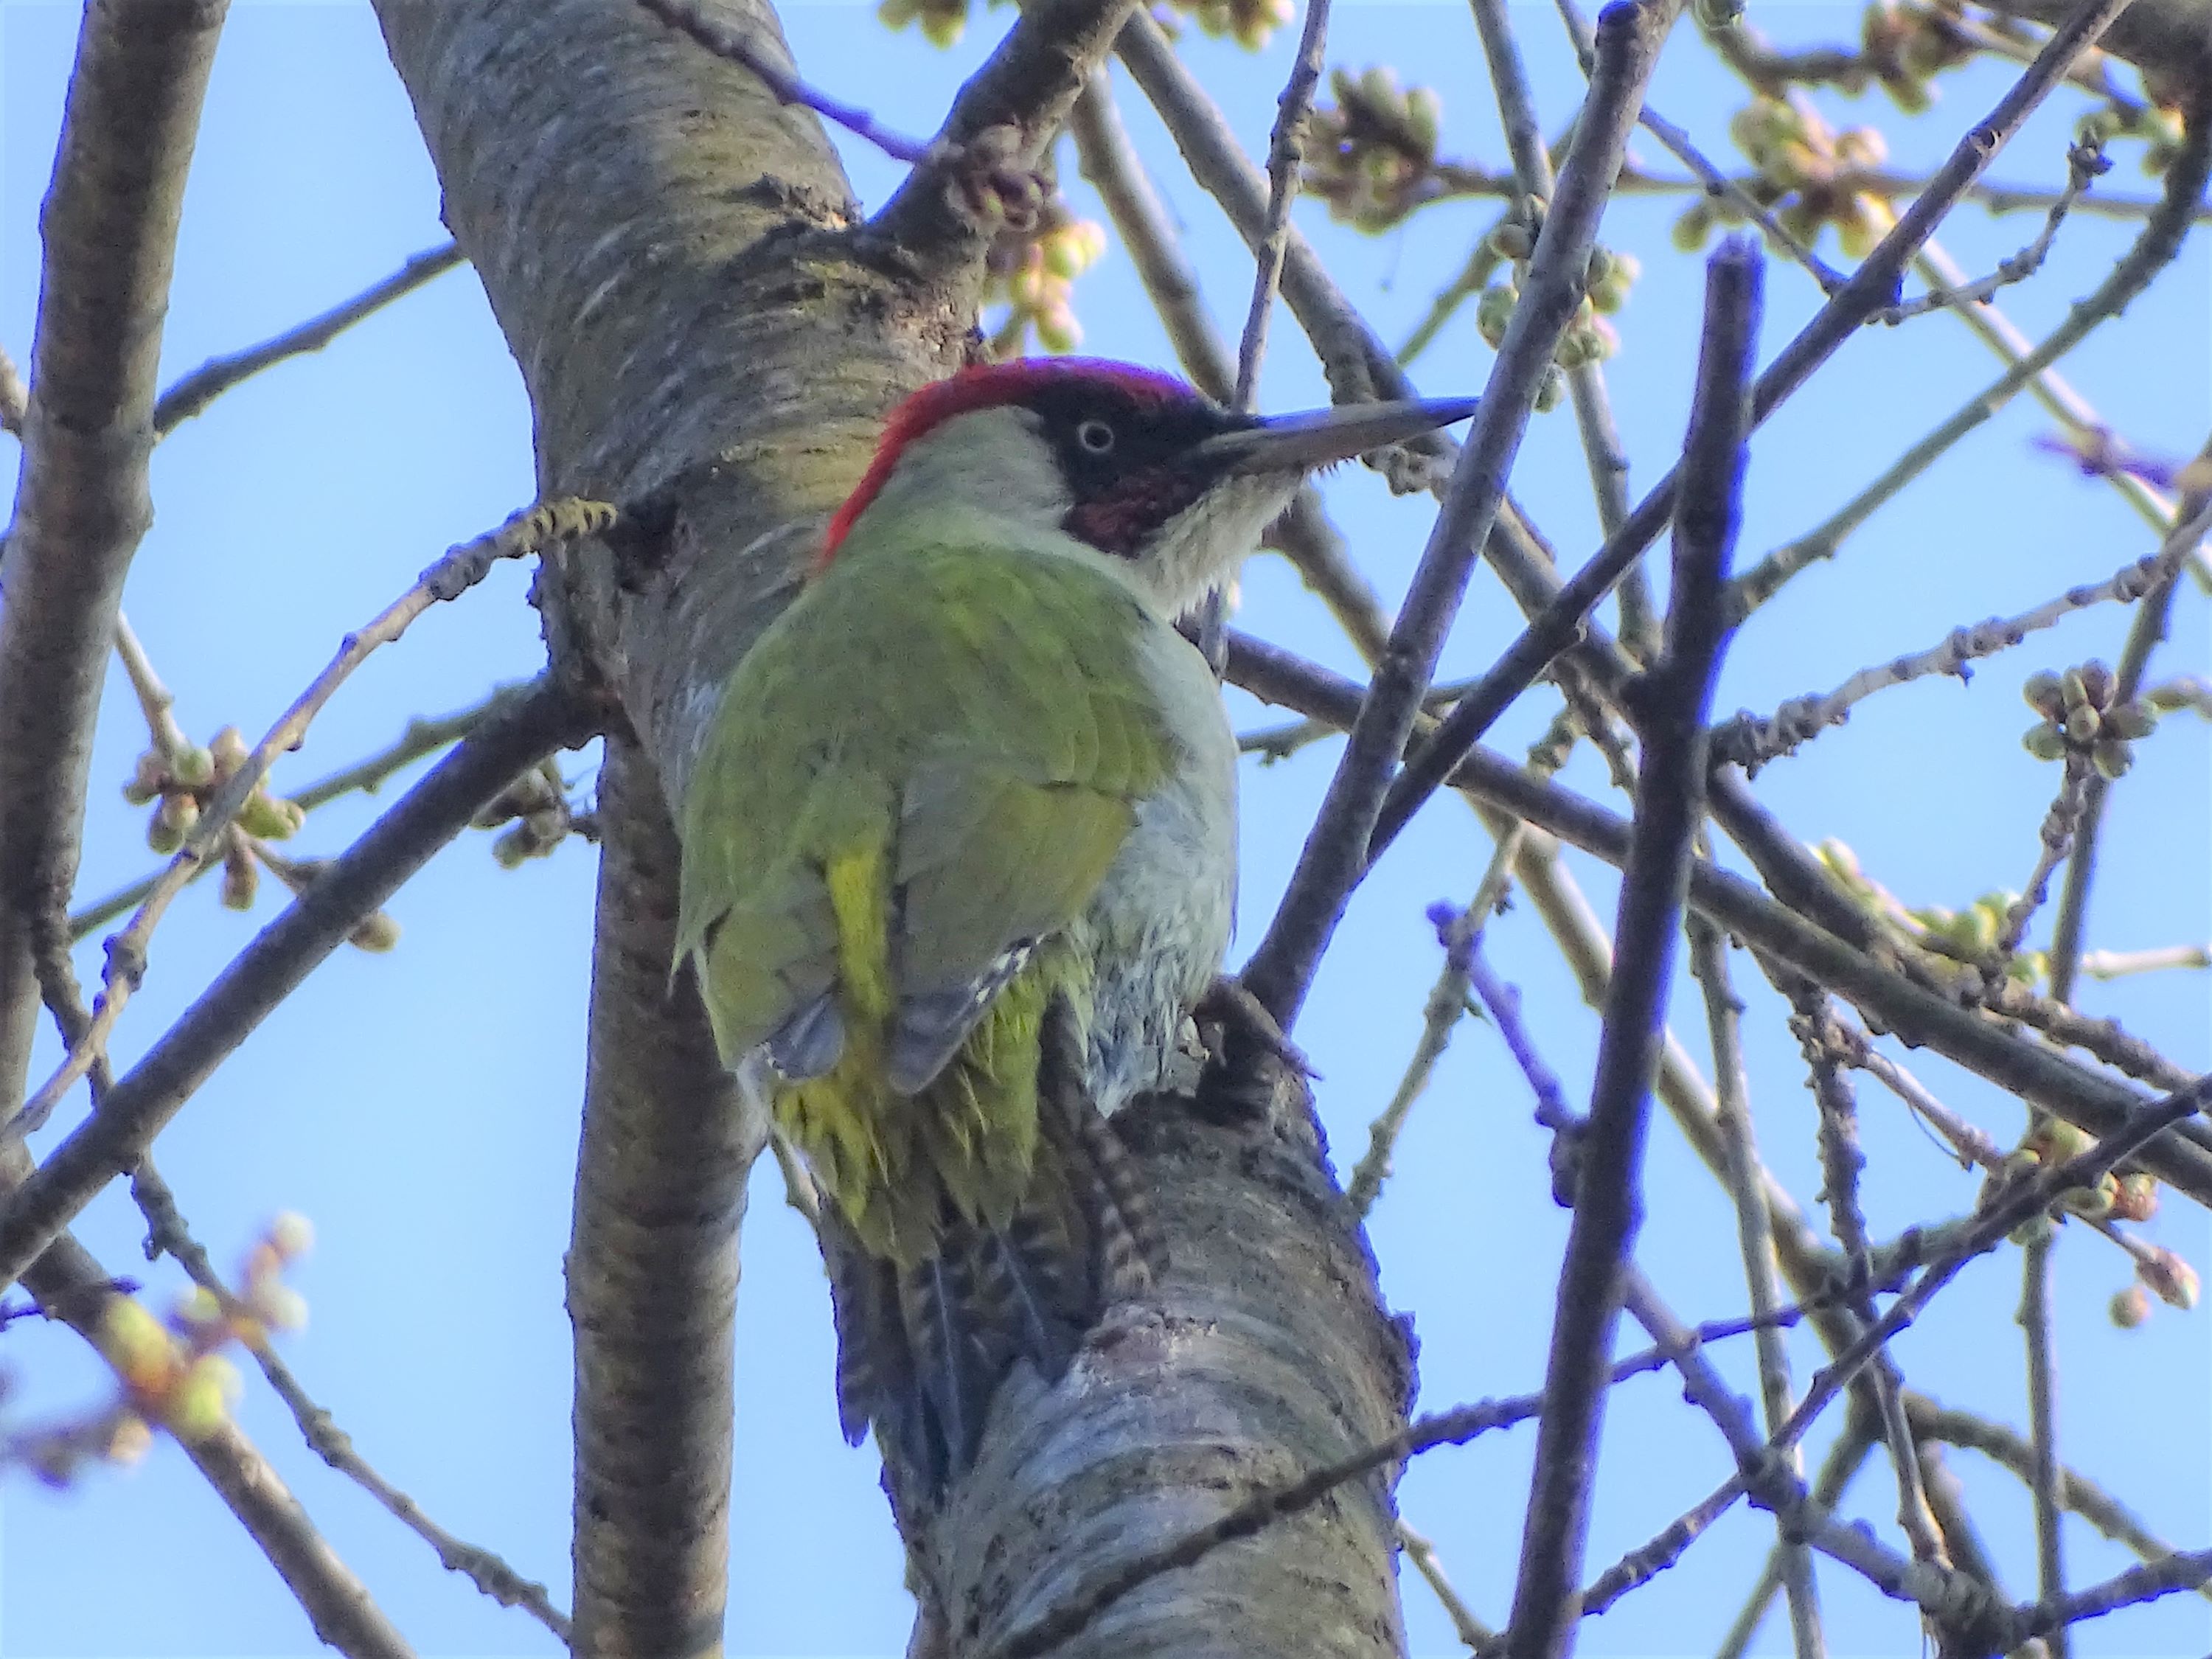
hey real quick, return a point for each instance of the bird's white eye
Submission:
(1096, 437)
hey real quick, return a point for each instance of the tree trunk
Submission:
(708, 337)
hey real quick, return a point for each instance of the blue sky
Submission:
(422, 1107)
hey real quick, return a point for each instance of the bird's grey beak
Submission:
(1298, 443)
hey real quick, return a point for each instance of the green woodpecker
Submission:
(959, 855)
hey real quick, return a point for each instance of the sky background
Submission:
(420, 1107)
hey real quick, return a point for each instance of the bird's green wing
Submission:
(986, 734)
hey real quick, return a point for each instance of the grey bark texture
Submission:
(709, 336)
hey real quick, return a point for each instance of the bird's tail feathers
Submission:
(923, 1349)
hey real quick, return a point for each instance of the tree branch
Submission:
(1281, 968)
(1917, 1015)
(82, 503)
(1872, 286)
(191, 394)
(1669, 805)
(130, 1115)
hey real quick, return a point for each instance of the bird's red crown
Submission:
(991, 386)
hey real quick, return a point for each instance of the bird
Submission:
(959, 856)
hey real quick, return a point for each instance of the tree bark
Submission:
(709, 337)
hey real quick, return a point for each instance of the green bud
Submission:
(2111, 758)
(1511, 240)
(200, 1403)
(379, 933)
(1493, 310)
(242, 876)
(1551, 389)
(2129, 719)
(193, 766)
(272, 817)
(227, 751)
(2129, 1308)
(2044, 694)
(148, 779)
(1691, 230)
(2044, 741)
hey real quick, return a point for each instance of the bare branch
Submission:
(2152, 252)
(1025, 92)
(1669, 805)
(1335, 856)
(2035, 1322)
(1755, 1241)
(195, 391)
(539, 529)
(356, 883)
(69, 1284)
(2078, 1493)
(1751, 740)
(81, 501)
(167, 1233)
(1918, 1016)
(1285, 152)
(2085, 163)
(2145, 635)
(1872, 286)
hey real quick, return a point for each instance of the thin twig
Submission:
(2145, 634)
(1669, 805)
(1285, 152)
(1873, 285)
(1602, 453)
(539, 530)
(193, 392)
(2037, 1074)
(1751, 740)
(1335, 855)
(72, 1286)
(1841, 1162)
(2035, 1323)
(167, 1233)
(2077, 1492)
(2085, 163)
(268, 970)
(2053, 839)
(1714, 182)
(2161, 241)
(156, 700)
(1422, 1553)
(422, 736)
(740, 46)
(1304, 534)
(1845, 1459)
(1755, 1241)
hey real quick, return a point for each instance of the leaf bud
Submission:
(2129, 1308)
(2172, 1280)
(227, 751)
(199, 1405)
(193, 766)
(379, 933)
(147, 778)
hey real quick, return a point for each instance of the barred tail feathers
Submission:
(923, 1346)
